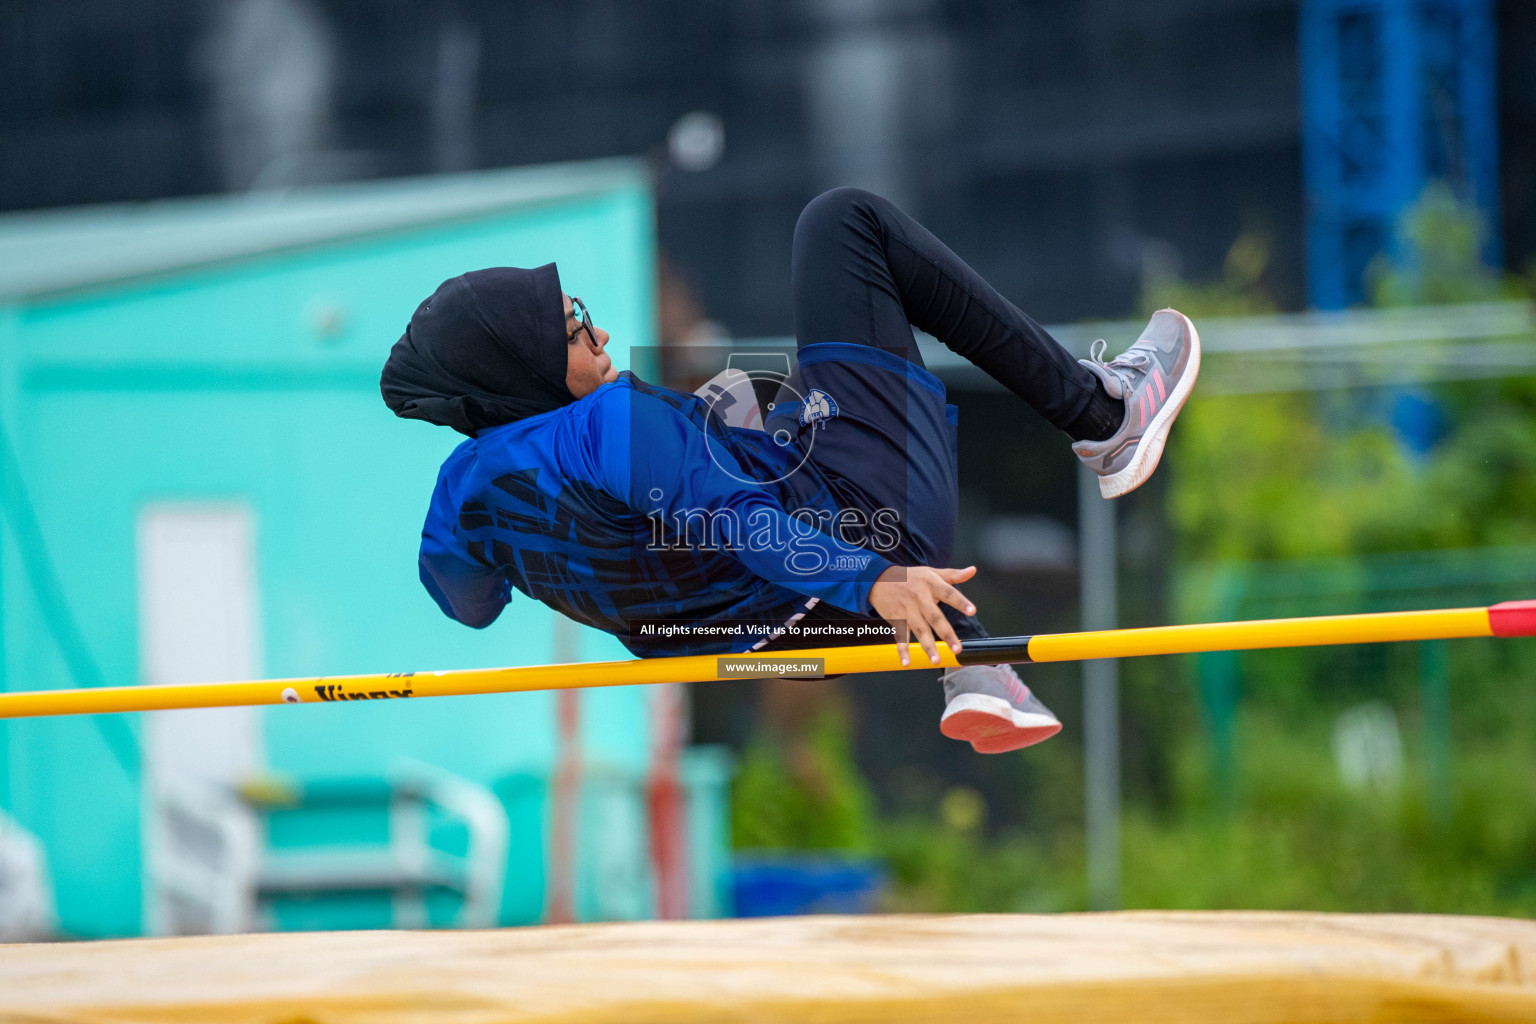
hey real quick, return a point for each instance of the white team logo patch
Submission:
(818, 407)
(732, 400)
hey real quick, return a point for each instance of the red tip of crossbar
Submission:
(1513, 618)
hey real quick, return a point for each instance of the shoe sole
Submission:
(993, 726)
(1150, 451)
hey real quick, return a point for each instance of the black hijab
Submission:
(488, 347)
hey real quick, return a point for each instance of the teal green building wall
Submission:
(254, 379)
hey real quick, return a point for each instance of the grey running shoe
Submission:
(989, 706)
(1154, 377)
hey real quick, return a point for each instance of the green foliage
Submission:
(1300, 839)
(1303, 474)
(1265, 477)
(805, 796)
(1442, 237)
(1297, 837)
(938, 868)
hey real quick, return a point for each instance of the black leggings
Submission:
(864, 272)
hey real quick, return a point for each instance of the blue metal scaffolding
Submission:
(1396, 94)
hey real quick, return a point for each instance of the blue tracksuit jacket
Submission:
(632, 506)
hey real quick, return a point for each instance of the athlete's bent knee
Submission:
(832, 209)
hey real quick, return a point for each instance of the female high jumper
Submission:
(665, 519)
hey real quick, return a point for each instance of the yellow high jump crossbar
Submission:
(1510, 619)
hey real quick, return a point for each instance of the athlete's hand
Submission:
(908, 598)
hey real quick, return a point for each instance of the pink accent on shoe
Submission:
(1157, 381)
(991, 734)
(1017, 740)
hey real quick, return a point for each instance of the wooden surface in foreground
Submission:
(1078, 968)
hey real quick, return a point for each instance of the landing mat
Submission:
(1077, 968)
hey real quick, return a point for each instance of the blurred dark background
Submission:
(1059, 145)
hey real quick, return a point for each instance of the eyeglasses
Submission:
(583, 321)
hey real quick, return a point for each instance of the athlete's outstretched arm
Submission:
(908, 597)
